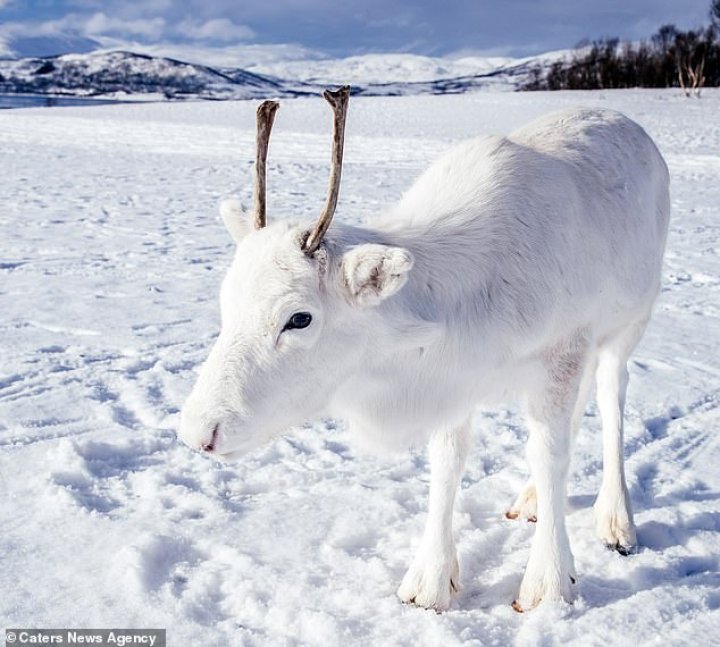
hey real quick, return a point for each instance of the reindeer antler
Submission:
(265, 117)
(339, 101)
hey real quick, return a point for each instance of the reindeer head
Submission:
(297, 311)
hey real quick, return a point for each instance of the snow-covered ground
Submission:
(112, 256)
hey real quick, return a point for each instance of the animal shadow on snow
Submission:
(679, 567)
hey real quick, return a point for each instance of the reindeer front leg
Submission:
(434, 574)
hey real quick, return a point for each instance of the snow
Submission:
(379, 68)
(382, 69)
(111, 73)
(111, 263)
(116, 73)
(292, 62)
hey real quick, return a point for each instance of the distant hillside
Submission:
(112, 73)
(125, 73)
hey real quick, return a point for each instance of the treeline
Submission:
(671, 58)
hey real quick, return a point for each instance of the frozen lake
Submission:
(37, 100)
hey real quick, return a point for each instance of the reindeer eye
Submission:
(298, 320)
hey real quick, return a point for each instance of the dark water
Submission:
(36, 100)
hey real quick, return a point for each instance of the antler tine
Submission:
(265, 117)
(339, 101)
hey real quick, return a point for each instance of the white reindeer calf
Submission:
(522, 265)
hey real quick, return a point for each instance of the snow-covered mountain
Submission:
(381, 68)
(113, 73)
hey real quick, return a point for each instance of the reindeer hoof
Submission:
(514, 516)
(430, 583)
(525, 506)
(625, 551)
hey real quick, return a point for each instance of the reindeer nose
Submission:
(196, 431)
(208, 447)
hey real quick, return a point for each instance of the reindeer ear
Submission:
(372, 273)
(237, 220)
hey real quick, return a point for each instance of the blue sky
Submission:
(345, 27)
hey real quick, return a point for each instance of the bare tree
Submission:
(691, 77)
(671, 58)
(690, 51)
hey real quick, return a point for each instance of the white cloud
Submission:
(6, 51)
(100, 24)
(97, 24)
(217, 29)
(123, 7)
(150, 30)
(246, 56)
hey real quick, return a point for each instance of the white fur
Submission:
(513, 267)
